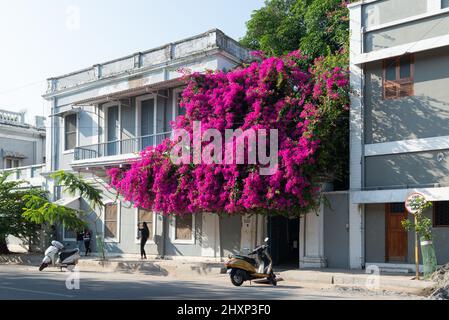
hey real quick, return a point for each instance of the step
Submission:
(396, 270)
(401, 268)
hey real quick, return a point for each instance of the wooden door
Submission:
(396, 236)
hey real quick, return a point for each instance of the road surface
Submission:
(24, 282)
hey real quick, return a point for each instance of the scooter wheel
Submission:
(237, 277)
(43, 266)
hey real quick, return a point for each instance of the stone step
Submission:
(396, 270)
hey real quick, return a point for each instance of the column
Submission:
(356, 140)
(311, 240)
(210, 235)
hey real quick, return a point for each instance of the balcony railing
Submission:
(119, 147)
(24, 173)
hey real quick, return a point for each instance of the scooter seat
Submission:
(64, 255)
(247, 259)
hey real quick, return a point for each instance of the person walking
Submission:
(144, 235)
(86, 237)
(80, 239)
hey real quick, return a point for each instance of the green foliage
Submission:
(24, 210)
(73, 185)
(423, 225)
(316, 27)
(334, 154)
(39, 210)
(12, 221)
(276, 28)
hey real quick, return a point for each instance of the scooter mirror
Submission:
(266, 239)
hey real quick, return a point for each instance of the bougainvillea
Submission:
(305, 101)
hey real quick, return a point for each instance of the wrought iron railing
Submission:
(119, 147)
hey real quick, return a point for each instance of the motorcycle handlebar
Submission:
(262, 247)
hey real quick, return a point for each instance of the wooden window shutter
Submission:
(390, 90)
(398, 77)
(184, 226)
(110, 221)
(405, 89)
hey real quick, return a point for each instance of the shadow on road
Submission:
(52, 285)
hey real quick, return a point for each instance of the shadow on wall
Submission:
(418, 116)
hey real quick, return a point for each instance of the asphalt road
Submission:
(24, 282)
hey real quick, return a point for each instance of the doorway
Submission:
(284, 240)
(396, 237)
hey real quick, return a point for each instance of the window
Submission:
(146, 216)
(183, 229)
(441, 214)
(398, 77)
(444, 4)
(68, 235)
(155, 118)
(12, 163)
(70, 132)
(178, 97)
(111, 221)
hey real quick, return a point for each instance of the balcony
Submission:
(30, 174)
(119, 147)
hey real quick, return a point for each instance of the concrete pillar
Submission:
(311, 240)
(210, 235)
(356, 235)
(248, 233)
(356, 139)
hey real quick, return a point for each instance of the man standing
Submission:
(86, 237)
(80, 239)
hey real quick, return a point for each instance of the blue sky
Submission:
(47, 38)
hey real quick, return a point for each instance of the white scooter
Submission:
(57, 257)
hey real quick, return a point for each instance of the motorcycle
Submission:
(56, 256)
(242, 268)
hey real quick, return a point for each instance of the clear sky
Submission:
(45, 38)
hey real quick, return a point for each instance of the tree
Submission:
(12, 221)
(24, 210)
(422, 225)
(316, 27)
(73, 184)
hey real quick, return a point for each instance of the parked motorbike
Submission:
(242, 268)
(56, 256)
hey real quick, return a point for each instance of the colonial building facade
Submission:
(399, 63)
(101, 117)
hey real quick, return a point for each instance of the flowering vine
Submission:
(304, 101)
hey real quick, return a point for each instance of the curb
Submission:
(361, 281)
(157, 268)
(21, 259)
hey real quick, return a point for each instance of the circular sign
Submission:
(411, 203)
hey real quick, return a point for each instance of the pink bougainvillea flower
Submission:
(285, 93)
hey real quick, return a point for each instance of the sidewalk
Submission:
(154, 266)
(360, 279)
